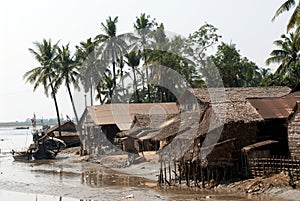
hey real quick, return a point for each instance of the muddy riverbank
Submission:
(146, 171)
(73, 178)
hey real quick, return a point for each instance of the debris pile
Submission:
(261, 185)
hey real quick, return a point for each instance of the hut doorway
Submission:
(110, 131)
(274, 129)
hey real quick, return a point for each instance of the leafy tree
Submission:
(68, 73)
(234, 70)
(46, 73)
(287, 55)
(133, 60)
(105, 88)
(287, 52)
(294, 19)
(90, 69)
(111, 45)
(199, 42)
(144, 27)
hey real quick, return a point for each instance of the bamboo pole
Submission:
(170, 177)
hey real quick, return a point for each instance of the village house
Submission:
(229, 123)
(241, 121)
(68, 133)
(100, 124)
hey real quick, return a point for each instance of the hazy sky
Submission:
(247, 23)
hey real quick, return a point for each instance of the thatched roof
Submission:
(211, 122)
(68, 126)
(233, 108)
(155, 127)
(238, 93)
(123, 114)
(151, 120)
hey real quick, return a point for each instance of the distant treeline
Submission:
(39, 122)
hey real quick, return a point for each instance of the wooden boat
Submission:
(21, 155)
(22, 127)
(44, 147)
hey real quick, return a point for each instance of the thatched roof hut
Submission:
(227, 114)
(151, 130)
(122, 114)
(68, 133)
(100, 123)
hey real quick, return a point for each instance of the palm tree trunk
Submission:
(147, 77)
(56, 106)
(135, 85)
(73, 105)
(114, 70)
(91, 93)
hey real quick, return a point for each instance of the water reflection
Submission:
(97, 178)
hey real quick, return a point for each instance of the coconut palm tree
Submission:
(112, 46)
(46, 73)
(90, 73)
(105, 88)
(133, 60)
(68, 73)
(144, 25)
(295, 18)
(288, 52)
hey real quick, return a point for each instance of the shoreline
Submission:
(276, 186)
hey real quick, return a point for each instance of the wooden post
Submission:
(165, 171)
(202, 177)
(208, 174)
(196, 173)
(175, 171)
(170, 177)
(180, 171)
(161, 180)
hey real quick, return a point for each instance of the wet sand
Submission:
(68, 178)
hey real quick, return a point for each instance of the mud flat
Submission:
(274, 188)
(71, 177)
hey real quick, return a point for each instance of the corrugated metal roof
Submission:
(123, 114)
(274, 108)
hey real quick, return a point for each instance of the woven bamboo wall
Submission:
(294, 133)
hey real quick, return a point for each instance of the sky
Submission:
(246, 23)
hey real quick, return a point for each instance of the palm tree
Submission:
(111, 45)
(286, 6)
(46, 73)
(143, 25)
(90, 70)
(105, 88)
(287, 52)
(68, 73)
(133, 60)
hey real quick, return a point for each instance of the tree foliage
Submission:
(286, 55)
(147, 59)
(235, 70)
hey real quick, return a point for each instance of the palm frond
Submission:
(286, 6)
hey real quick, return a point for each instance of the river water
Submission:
(65, 180)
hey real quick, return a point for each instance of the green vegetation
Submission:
(295, 18)
(106, 63)
(286, 54)
(47, 73)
